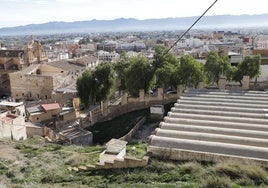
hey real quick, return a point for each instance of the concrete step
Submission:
(224, 92)
(219, 118)
(217, 148)
(214, 130)
(223, 124)
(227, 96)
(221, 103)
(221, 108)
(224, 100)
(212, 137)
(215, 122)
(220, 113)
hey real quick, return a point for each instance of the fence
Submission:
(128, 104)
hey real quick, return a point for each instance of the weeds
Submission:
(216, 182)
(244, 174)
(137, 150)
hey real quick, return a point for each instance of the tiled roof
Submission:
(52, 106)
(8, 117)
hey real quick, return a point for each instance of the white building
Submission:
(107, 56)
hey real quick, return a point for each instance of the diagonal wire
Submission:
(189, 28)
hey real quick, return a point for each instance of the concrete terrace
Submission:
(215, 125)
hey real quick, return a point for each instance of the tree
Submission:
(86, 87)
(190, 72)
(120, 69)
(216, 66)
(165, 76)
(161, 57)
(164, 65)
(95, 86)
(105, 81)
(139, 75)
(250, 66)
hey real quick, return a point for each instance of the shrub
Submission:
(245, 182)
(233, 170)
(10, 174)
(256, 173)
(76, 160)
(216, 182)
(192, 168)
(245, 173)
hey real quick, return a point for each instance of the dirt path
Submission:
(8, 152)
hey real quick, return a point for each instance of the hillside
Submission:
(122, 25)
(35, 163)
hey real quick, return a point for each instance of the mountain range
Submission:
(130, 24)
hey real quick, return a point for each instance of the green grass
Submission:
(245, 175)
(136, 149)
(44, 165)
(49, 168)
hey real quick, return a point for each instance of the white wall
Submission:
(264, 73)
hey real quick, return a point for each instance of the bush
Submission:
(256, 173)
(10, 174)
(247, 172)
(233, 170)
(192, 168)
(76, 160)
(216, 182)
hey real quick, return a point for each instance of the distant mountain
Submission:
(122, 24)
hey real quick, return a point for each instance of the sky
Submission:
(23, 12)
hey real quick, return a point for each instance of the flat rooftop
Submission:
(8, 103)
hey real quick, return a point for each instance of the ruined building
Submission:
(15, 60)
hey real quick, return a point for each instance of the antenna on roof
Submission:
(190, 28)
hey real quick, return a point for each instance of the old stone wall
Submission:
(32, 130)
(31, 86)
(129, 104)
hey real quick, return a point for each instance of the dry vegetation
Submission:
(36, 163)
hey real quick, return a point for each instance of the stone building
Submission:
(15, 60)
(36, 82)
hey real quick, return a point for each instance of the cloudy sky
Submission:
(22, 12)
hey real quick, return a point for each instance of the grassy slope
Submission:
(45, 165)
(41, 164)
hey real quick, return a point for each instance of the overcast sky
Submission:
(22, 12)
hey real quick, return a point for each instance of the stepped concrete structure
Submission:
(215, 125)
